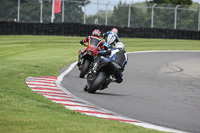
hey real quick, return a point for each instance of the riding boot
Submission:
(85, 88)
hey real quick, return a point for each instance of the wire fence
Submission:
(119, 14)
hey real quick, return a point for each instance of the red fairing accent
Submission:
(93, 49)
(84, 40)
(88, 40)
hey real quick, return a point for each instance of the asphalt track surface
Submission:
(161, 88)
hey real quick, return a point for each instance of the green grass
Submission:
(22, 110)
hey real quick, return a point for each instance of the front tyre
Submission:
(101, 77)
(84, 69)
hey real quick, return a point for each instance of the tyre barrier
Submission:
(78, 29)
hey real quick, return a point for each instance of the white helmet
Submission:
(120, 45)
(115, 30)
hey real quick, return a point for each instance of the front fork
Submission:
(90, 77)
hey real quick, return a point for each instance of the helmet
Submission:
(96, 32)
(115, 30)
(120, 45)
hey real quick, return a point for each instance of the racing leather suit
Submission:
(118, 56)
(92, 40)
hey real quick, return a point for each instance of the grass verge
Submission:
(22, 110)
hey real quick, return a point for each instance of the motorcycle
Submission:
(87, 58)
(100, 78)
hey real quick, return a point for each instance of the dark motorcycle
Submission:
(87, 58)
(101, 77)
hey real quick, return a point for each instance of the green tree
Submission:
(30, 11)
(187, 20)
(120, 15)
(175, 2)
(164, 18)
(101, 17)
(8, 10)
(73, 12)
(138, 18)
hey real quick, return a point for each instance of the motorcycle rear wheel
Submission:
(100, 79)
(84, 69)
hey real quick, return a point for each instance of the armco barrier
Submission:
(78, 29)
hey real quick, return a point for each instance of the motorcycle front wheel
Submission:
(100, 79)
(84, 69)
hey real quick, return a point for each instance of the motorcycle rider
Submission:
(113, 31)
(94, 39)
(117, 55)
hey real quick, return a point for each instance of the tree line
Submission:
(163, 18)
(30, 11)
(139, 17)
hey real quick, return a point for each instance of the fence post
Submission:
(106, 21)
(97, 11)
(18, 11)
(152, 15)
(52, 12)
(175, 16)
(63, 9)
(84, 12)
(41, 7)
(199, 21)
(129, 15)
